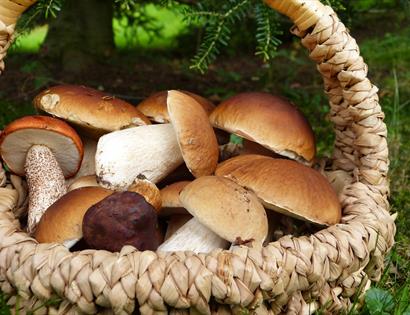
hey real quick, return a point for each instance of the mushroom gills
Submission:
(193, 236)
(45, 180)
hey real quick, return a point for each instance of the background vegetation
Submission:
(159, 47)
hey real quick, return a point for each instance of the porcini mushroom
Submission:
(172, 208)
(123, 218)
(223, 212)
(45, 150)
(62, 221)
(150, 151)
(154, 151)
(87, 167)
(155, 106)
(93, 112)
(195, 134)
(148, 190)
(285, 186)
(268, 120)
(84, 181)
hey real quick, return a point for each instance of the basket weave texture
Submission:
(292, 275)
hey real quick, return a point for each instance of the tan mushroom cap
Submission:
(94, 112)
(195, 134)
(83, 181)
(148, 190)
(268, 120)
(226, 208)
(155, 106)
(63, 219)
(171, 204)
(170, 194)
(63, 141)
(285, 186)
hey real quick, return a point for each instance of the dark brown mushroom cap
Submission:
(124, 218)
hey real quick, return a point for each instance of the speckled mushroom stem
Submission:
(45, 182)
(193, 236)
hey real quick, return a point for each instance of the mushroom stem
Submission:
(45, 182)
(175, 222)
(193, 236)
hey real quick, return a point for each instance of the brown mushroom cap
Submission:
(268, 120)
(155, 106)
(170, 194)
(94, 112)
(285, 186)
(124, 218)
(171, 204)
(63, 219)
(19, 136)
(195, 134)
(226, 208)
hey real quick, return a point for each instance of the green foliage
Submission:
(218, 21)
(379, 302)
(133, 18)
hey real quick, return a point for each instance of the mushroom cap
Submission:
(63, 219)
(171, 204)
(268, 120)
(148, 190)
(195, 134)
(94, 112)
(285, 186)
(63, 141)
(226, 208)
(83, 181)
(155, 106)
(124, 218)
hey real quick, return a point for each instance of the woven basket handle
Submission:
(10, 11)
(361, 146)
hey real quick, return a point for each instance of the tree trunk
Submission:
(80, 34)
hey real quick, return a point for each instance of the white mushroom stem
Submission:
(88, 163)
(45, 181)
(175, 222)
(193, 236)
(150, 151)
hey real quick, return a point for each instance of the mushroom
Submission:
(123, 218)
(148, 190)
(223, 212)
(46, 150)
(154, 151)
(84, 181)
(155, 106)
(150, 151)
(172, 208)
(88, 164)
(62, 222)
(93, 112)
(195, 134)
(285, 186)
(270, 121)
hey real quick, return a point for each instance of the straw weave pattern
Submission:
(326, 269)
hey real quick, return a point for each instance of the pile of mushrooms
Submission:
(163, 175)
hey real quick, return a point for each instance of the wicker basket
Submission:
(292, 275)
